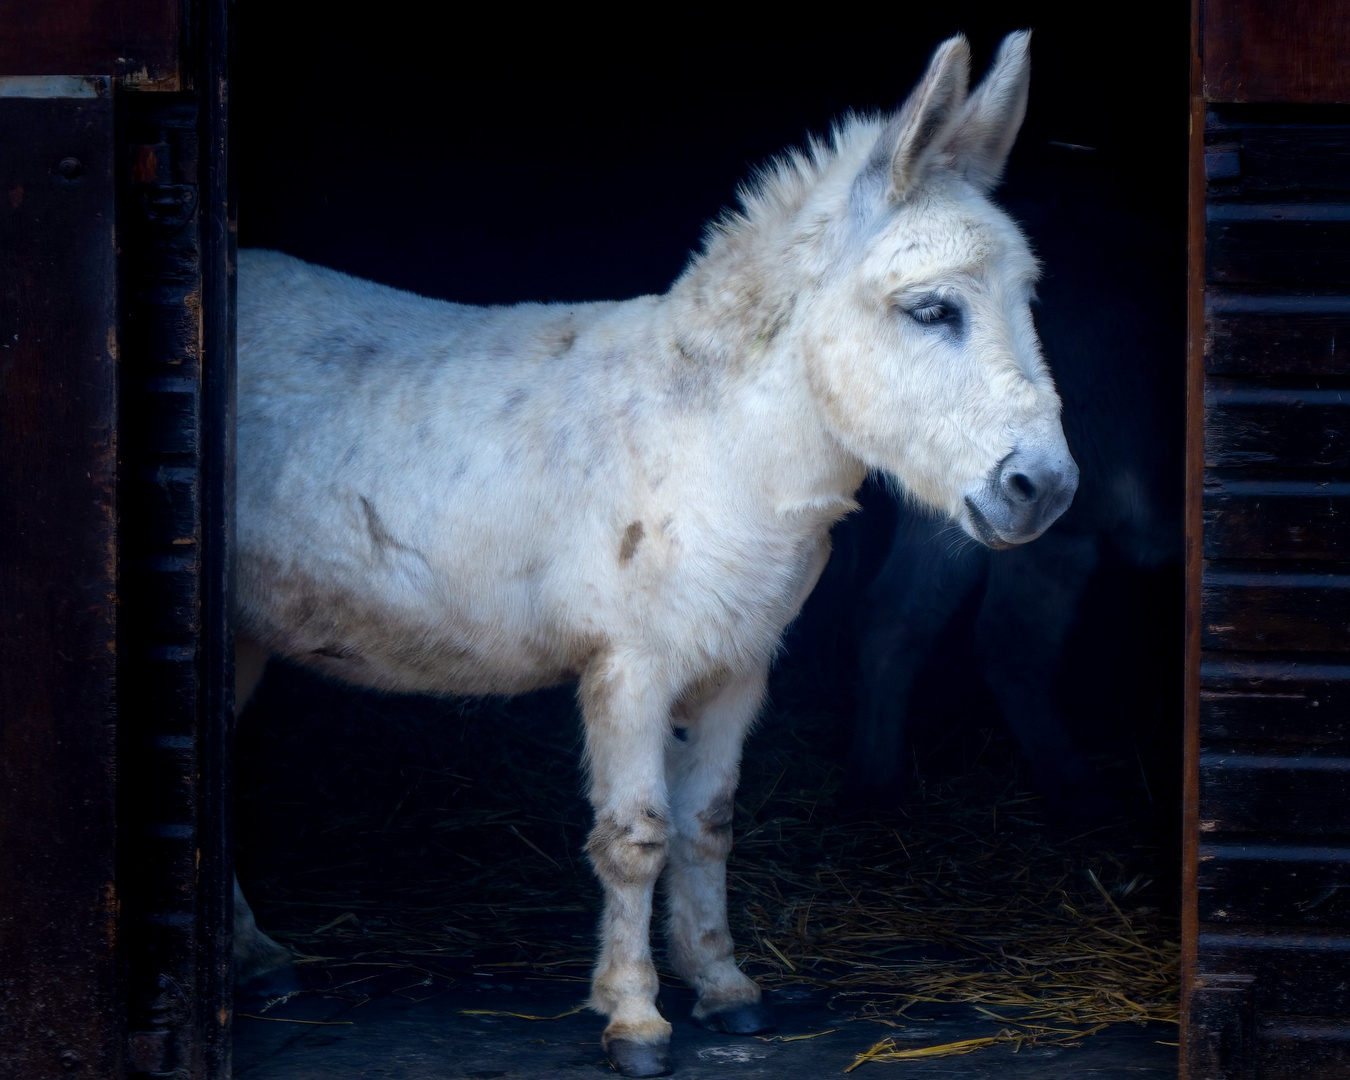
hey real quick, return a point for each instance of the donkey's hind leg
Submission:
(262, 967)
(702, 770)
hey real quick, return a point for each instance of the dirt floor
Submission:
(424, 858)
(476, 1030)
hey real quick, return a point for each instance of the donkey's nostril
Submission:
(1023, 497)
(1020, 486)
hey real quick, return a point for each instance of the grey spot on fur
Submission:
(775, 323)
(382, 540)
(515, 400)
(336, 652)
(718, 817)
(379, 535)
(632, 537)
(338, 350)
(364, 354)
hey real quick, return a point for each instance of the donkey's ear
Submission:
(993, 114)
(920, 130)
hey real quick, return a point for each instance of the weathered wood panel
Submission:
(1301, 428)
(1220, 1028)
(1295, 51)
(1277, 608)
(1295, 700)
(1269, 793)
(1303, 1048)
(1267, 813)
(1285, 243)
(173, 502)
(1201, 1028)
(60, 1003)
(1294, 974)
(1275, 884)
(1277, 519)
(176, 859)
(1259, 151)
(1260, 334)
(136, 39)
(220, 414)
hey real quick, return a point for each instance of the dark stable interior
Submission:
(425, 855)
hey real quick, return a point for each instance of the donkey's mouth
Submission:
(984, 531)
(1022, 498)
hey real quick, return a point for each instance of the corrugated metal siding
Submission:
(1274, 875)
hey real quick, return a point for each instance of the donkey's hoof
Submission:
(639, 1059)
(751, 1019)
(265, 985)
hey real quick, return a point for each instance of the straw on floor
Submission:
(437, 848)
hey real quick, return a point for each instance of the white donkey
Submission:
(639, 495)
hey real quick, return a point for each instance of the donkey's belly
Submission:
(434, 664)
(426, 647)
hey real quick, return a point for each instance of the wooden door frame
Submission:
(122, 967)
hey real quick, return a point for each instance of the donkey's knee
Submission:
(628, 849)
(711, 837)
(262, 967)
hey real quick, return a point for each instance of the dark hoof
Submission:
(741, 1020)
(268, 985)
(639, 1059)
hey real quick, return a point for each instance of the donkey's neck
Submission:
(731, 334)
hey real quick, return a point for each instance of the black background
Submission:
(486, 155)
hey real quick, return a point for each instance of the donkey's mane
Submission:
(777, 190)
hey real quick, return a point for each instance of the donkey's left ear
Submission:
(988, 127)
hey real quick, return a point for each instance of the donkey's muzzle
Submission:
(1023, 497)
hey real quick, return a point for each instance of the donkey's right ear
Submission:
(994, 113)
(916, 134)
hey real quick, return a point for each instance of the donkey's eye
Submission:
(935, 313)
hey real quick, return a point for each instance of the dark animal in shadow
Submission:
(1112, 323)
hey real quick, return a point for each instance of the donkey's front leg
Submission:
(627, 730)
(702, 771)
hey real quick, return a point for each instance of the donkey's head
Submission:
(920, 346)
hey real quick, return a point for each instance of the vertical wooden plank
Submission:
(175, 729)
(160, 695)
(1192, 1054)
(1223, 1029)
(218, 496)
(60, 1011)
